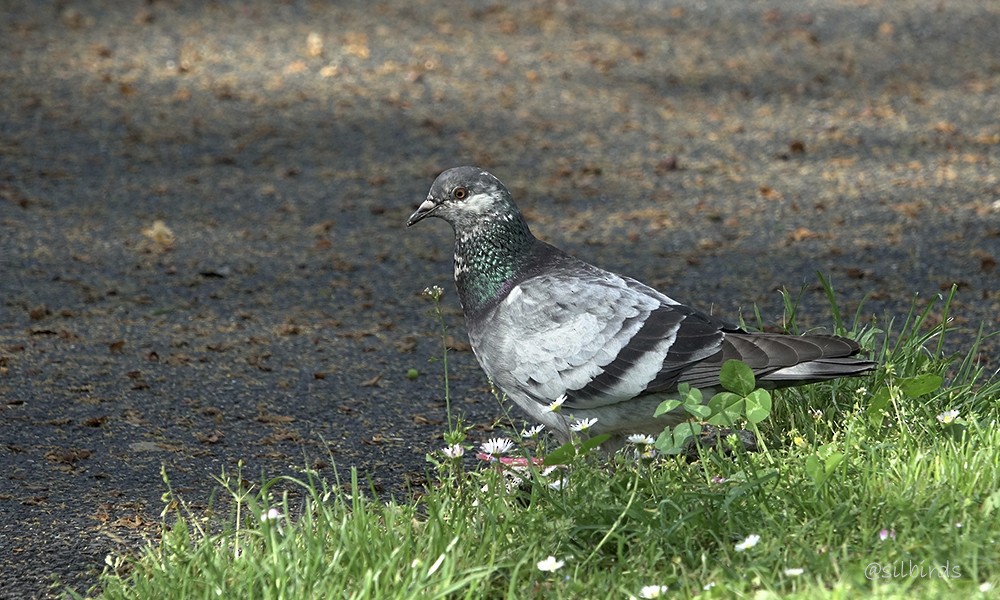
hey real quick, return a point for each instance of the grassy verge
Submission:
(885, 486)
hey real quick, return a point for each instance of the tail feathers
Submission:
(819, 370)
(783, 360)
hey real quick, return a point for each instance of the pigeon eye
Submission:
(460, 193)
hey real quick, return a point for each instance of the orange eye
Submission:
(460, 193)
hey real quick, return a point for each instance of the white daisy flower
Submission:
(272, 514)
(454, 451)
(583, 424)
(532, 431)
(751, 540)
(641, 439)
(652, 591)
(497, 446)
(556, 404)
(947, 417)
(550, 564)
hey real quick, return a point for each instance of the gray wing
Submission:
(596, 337)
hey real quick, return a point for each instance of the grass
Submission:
(867, 486)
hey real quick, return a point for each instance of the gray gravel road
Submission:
(720, 151)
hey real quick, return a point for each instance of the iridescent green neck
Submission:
(488, 258)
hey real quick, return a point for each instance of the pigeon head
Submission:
(466, 197)
(493, 244)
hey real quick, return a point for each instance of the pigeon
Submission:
(569, 342)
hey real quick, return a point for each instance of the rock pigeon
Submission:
(549, 328)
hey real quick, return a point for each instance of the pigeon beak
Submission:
(424, 210)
